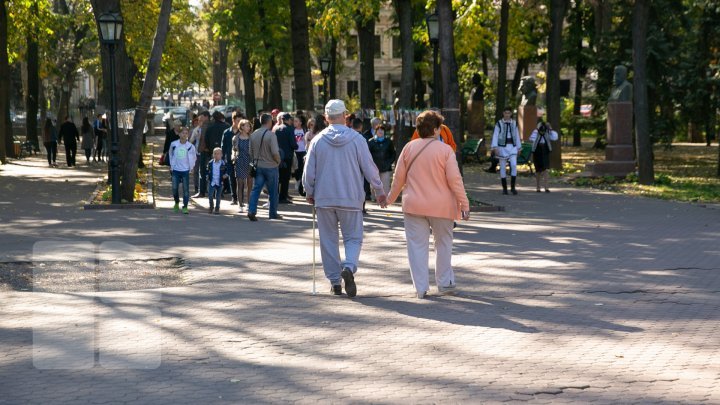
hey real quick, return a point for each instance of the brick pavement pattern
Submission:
(577, 296)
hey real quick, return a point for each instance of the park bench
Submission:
(525, 156)
(471, 148)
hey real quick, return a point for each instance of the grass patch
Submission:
(683, 172)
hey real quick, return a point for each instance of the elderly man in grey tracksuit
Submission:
(337, 160)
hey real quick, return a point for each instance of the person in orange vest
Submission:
(445, 136)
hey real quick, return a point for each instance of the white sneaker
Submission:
(448, 290)
(266, 205)
(422, 295)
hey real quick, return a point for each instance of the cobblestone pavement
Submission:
(576, 296)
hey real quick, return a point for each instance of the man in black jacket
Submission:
(69, 135)
(287, 145)
(227, 149)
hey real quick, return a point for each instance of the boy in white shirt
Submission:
(182, 161)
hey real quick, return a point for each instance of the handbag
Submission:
(253, 164)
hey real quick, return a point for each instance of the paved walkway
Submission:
(576, 296)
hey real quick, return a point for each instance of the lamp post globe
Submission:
(111, 25)
(325, 70)
(433, 27)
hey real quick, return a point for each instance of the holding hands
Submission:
(382, 201)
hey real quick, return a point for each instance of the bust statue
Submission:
(528, 89)
(478, 91)
(622, 89)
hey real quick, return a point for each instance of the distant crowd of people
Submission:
(91, 137)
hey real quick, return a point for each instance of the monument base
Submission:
(619, 153)
(609, 168)
(527, 121)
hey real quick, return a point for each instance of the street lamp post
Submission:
(433, 32)
(325, 69)
(110, 33)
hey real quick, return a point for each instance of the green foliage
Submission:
(185, 57)
(263, 28)
(528, 28)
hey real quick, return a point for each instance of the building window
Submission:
(378, 43)
(396, 47)
(352, 88)
(352, 48)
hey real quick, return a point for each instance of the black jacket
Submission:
(383, 153)
(69, 133)
(227, 144)
(286, 142)
(223, 171)
(170, 137)
(214, 135)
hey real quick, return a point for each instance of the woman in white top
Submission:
(299, 132)
(541, 148)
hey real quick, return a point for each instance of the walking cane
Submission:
(313, 259)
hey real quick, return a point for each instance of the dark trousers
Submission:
(204, 159)
(88, 153)
(99, 147)
(70, 152)
(51, 148)
(196, 175)
(299, 171)
(285, 181)
(231, 181)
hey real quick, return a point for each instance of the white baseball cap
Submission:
(335, 107)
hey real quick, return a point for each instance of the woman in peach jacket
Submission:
(433, 198)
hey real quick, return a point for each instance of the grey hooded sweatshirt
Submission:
(337, 160)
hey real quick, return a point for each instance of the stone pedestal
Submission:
(527, 121)
(476, 122)
(619, 153)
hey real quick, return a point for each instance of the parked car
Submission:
(162, 114)
(227, 110)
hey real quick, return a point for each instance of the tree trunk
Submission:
(248, 74)
(125, 69)
(641, 12)
(577, 135)
(419, 90)
(366, 37)
(6, 145)
(33, 83)
(275, 86)
(332, 77)
(521, 66)
(266, 94)
(448, 70)
(711, 128)
(304, 98)
(557, 15)
(219, 70)
(404, 10)
(500, 101)
(153, 71)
